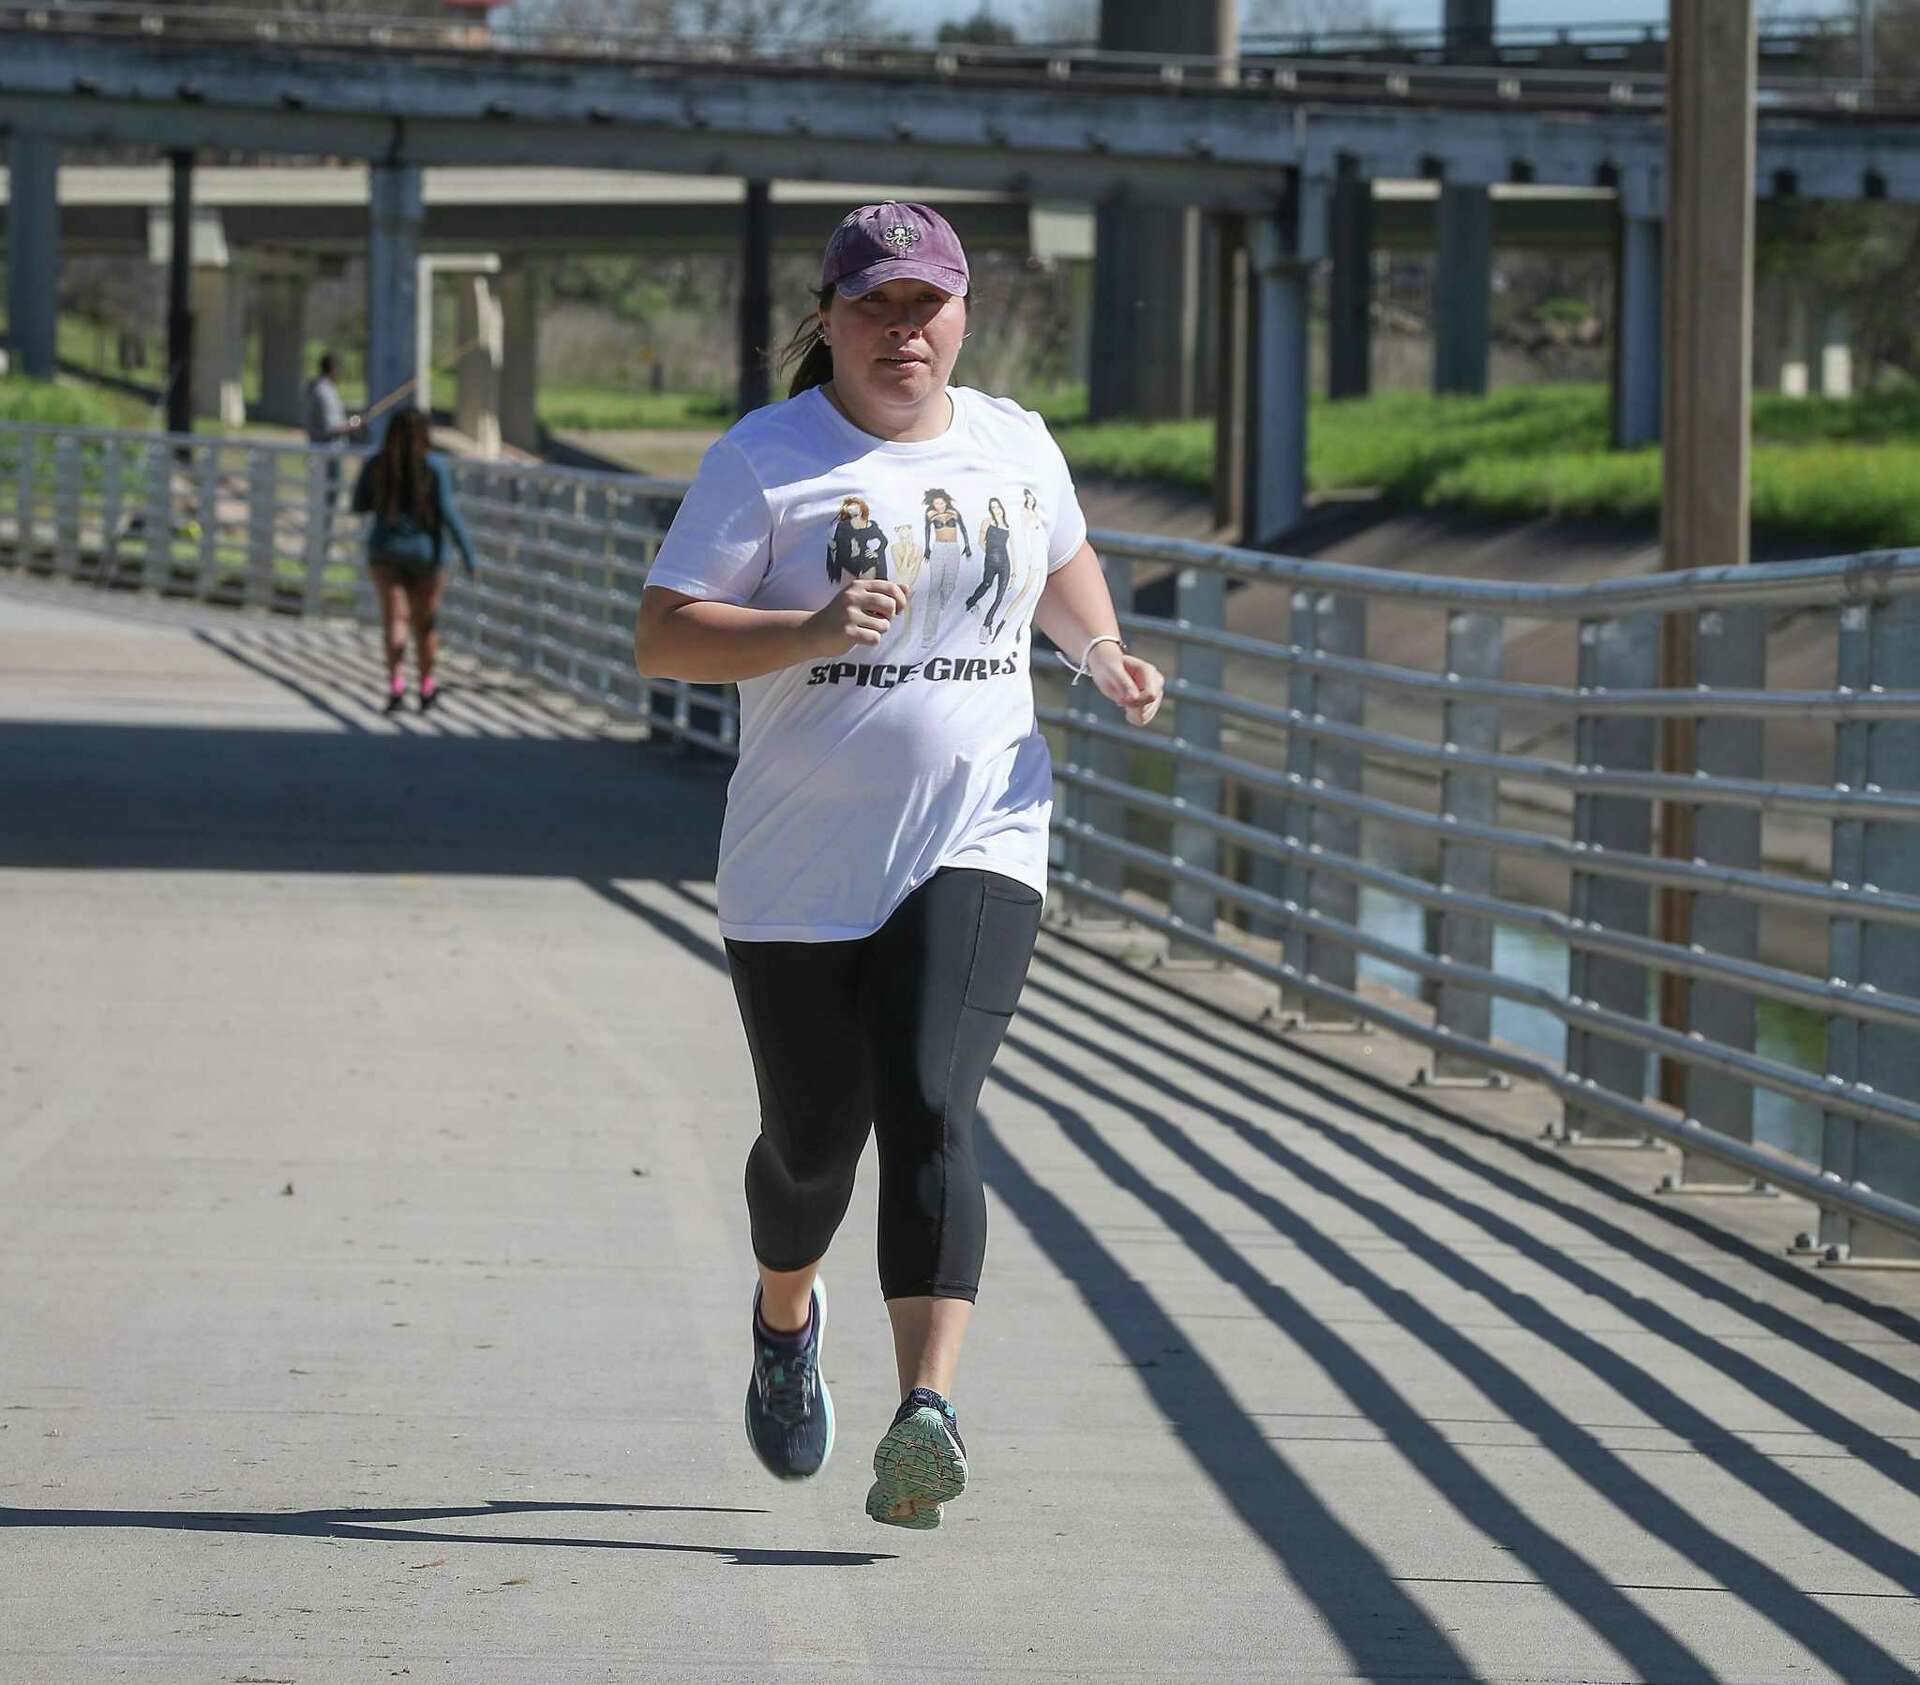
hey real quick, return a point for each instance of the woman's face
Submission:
(894, 347)
(939, 505)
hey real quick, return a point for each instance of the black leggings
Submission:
(895, 1033)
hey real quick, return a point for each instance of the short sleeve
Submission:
(1069, 528)
(718, 546)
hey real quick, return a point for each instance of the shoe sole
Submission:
(917, 1466)
(826, 1398)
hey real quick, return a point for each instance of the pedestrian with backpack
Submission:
(409, 493)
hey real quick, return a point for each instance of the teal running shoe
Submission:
(920, 1463)
(789, 1411)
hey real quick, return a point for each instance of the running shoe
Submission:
(428, 698)
(396, 700)
(789, 1411)
(920, 1463)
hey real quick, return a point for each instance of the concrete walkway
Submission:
(373, 1272)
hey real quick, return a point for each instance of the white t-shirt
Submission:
(861, 776)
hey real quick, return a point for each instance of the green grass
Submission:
(592, 409)
(1846, 470)
(44, 404)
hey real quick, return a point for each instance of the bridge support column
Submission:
(219, 345)
(1637, 320)
(755, 387)
(476, 405)
(1148, 260)
(281, 303)
(519, 358)
(393, 285)
(1281, 253)
(1462, 288)
(1350, 288)
(33, 258)
(1835, 358)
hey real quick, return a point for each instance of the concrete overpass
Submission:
(267, 230)
(1280, 158)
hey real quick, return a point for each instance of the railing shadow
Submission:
(368, 1525)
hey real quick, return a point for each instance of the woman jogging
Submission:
(410, 497)
(884, 852)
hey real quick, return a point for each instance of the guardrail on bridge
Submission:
(1362, 778)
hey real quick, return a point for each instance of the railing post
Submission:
(26, 473)
(206, 466)
(1879, 649)
(1201, 604)
(263, 513)
(1324, 624)
(1471, 795)
(1614, 655)
(66, 505)
(113, 503)
(1107, 758)
(157, 570)
(1730, 651)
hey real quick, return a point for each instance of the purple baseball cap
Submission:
(894, 242)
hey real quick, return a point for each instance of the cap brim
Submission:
(951, 281)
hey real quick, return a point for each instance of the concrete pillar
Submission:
(219, 345)
(1139, 314)
(1350, 289)
(476, 410)
(1835, 365)
(1145, 331)
(755, 387)
(180, 235)
(1469, 26)
(281, 313)
(1462, 288)
(1236, 350)
(1281, 252)
(519, 358)
(421, 394)
(393, 287)
(33, 255)
(1636, 321)
(1796, 379)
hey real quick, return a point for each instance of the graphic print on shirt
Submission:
(1030, 549)
(996, 574)
(857, 546)
(947, 546)
(907, 557)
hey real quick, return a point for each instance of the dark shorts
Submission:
(410, 569)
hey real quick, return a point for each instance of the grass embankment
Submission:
(1843, 469)
(37, 403)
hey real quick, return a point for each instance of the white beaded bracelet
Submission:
(1083, 670)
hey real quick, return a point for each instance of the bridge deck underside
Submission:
(374, 1272)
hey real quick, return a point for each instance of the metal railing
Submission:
(1428, 804)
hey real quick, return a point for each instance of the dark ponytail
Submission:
(809, 349)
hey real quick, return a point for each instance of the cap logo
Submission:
(901, 237)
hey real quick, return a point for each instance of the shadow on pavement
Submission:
(181, 798)
(1610, 1476)
(363, 1524)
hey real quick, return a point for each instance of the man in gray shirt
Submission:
(328, 426)
(327, 418)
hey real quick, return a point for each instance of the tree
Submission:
(983, 29)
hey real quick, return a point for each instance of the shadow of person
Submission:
(370, 1525)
